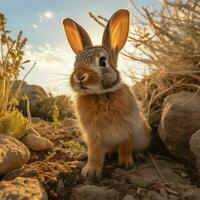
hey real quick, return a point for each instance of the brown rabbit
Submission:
(107, 110)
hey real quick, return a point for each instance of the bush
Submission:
(166, 42)
(13, 124)
(53, 108)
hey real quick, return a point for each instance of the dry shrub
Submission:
(12, 121)
(54, 108)
(11, 61)
(167, 42)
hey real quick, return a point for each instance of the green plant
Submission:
(54, 108)
(74, 147)
(13, 124)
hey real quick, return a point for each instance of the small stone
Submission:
(184, 175)
(154, 195)
(82, 156)
(35, 142)
(35, 119)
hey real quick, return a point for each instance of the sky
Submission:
(40, 21)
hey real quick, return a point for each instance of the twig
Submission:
(133, 171)
(28, 111)
(172, 191)
(96, 19)
(157, 168)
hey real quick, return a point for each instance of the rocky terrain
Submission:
(55, 174)
(46, 162)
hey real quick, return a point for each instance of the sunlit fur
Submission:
(106, 109)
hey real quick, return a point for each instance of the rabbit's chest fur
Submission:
(111, 117)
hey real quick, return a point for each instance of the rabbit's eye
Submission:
(102, 61)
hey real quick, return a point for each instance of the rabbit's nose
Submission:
(80, 78)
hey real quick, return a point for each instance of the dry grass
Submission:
(166, 41)
(12, 122)
(11, 61)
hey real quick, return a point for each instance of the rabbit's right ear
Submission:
(116, 33)
(76, 35)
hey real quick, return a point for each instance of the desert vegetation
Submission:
(166, 42)
(11, 61)
(50, 150)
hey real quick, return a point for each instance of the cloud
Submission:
(35, 26)
(49, 14)
(46, 16)
(54, 65)
(49, 57)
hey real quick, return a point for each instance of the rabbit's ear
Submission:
(76, 35)
(116, 31)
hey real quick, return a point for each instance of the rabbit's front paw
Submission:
(91, 171)
(126, 162)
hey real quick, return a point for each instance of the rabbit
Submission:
(107, 110)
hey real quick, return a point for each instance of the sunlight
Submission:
(69, 128)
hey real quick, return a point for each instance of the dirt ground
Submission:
(156, 177)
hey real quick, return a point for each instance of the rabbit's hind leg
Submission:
(125, 154)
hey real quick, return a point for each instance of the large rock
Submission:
(180, 119)
(92, 192)
(36, 96)
(22, 188)
(13, 154)
(35, 93)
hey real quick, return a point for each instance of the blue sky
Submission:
(40, 21)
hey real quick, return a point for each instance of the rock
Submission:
(35, 93)
(35, 142)
(22, 188)
(91, 192)
(195, 194)
(82, 157)
(180, 119)
(146, 174)
(173, 192)
(195, 147)
(128, 197)
(35, 119)
(154, 196)
(26, 172)
(13, 154)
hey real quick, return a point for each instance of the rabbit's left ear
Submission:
(77, 36)
(116, 31)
